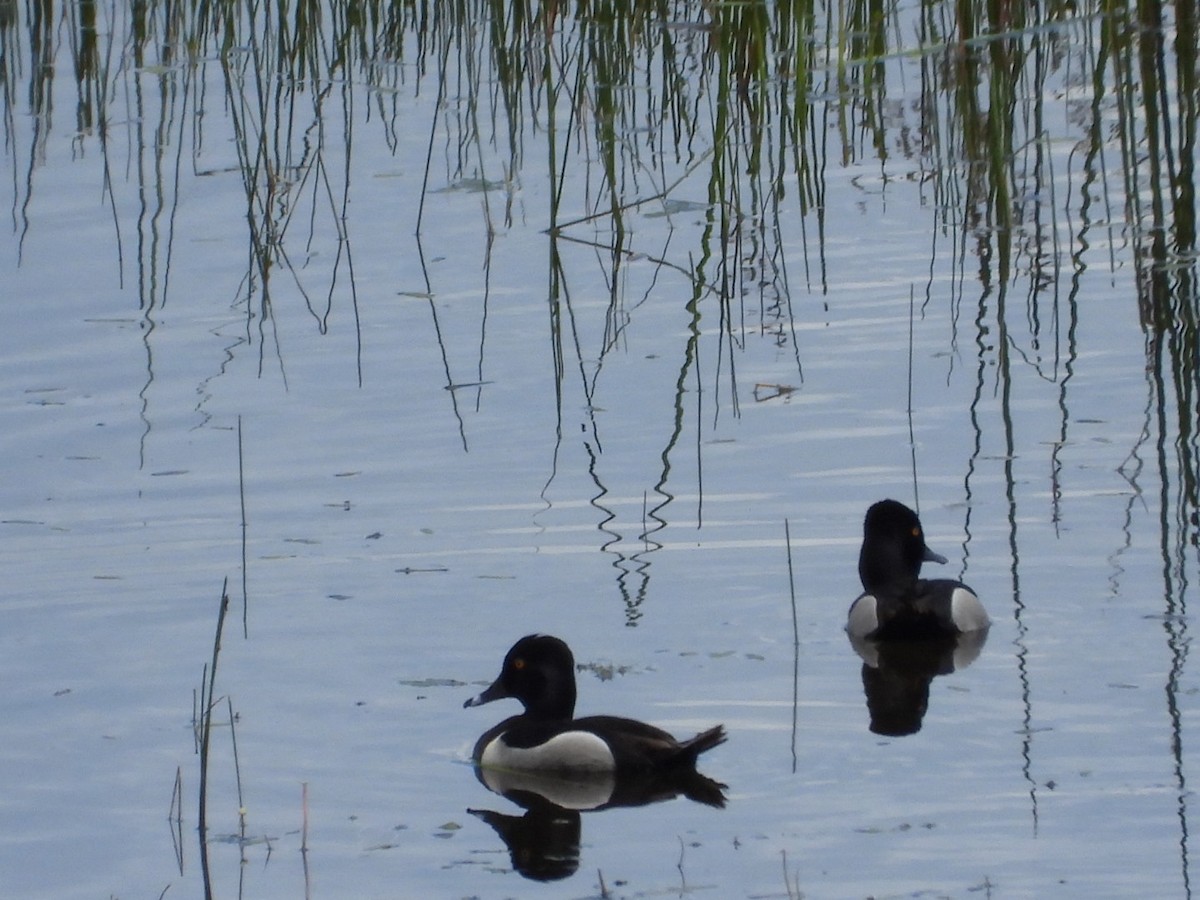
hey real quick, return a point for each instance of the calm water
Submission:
(434, 460)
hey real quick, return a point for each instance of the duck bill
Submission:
(495, 691)
(930, 556)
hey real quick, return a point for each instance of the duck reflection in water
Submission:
(543, 841)
(555, 766)
(896, 675)
(908, 630)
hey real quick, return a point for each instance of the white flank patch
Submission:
(578, 751)
(862, 620)
(967, 612)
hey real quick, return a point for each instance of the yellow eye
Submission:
(518, 664)
(916, 532)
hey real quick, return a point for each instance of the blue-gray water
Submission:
(432, 468)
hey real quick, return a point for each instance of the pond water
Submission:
(476, 400)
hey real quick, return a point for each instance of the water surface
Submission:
(446, 423)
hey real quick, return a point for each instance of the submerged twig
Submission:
(304, 839)
(304, 817)
(787, 539)
(206, 708)
(679, 865)
(242, 499)
(237, 770)
(197, 717)
(175, 818)
(912, 437)
(793, 891)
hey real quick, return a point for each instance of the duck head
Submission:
(539, 671)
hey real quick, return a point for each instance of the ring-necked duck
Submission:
(539, 671)
(896, 602)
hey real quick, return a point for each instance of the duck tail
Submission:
(704, 741)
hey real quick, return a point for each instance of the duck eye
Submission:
(916, 532)
(518, 664)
